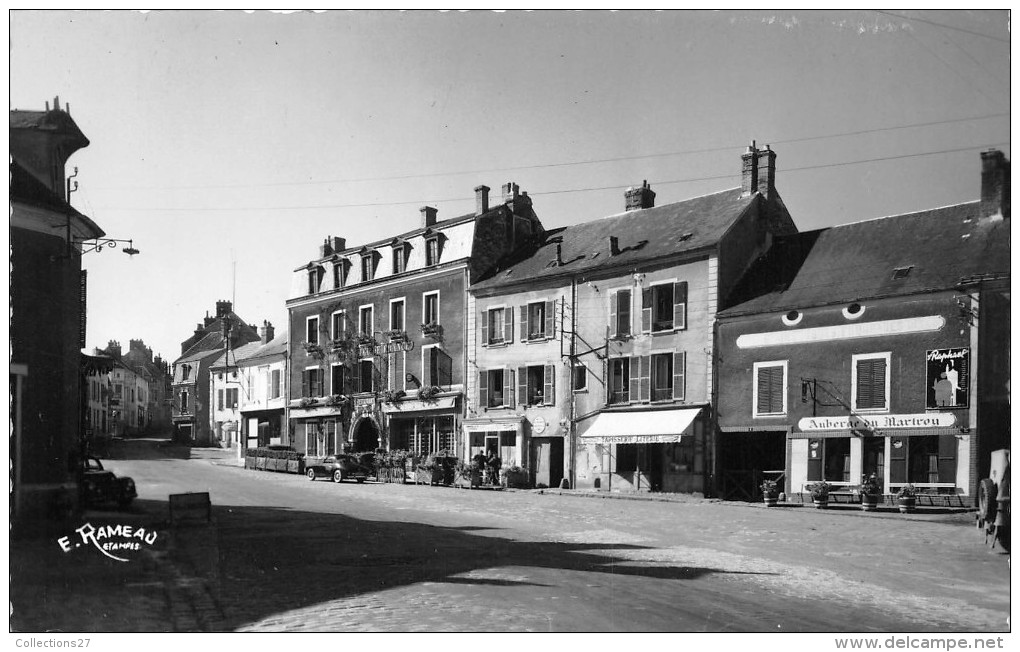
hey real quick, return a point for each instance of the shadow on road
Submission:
(146, 448)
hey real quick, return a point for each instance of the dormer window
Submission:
(399, 256)
(339, 273)
(432, 251)
(314, 278)
(901, 272)
(367, 266)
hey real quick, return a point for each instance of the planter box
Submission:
(249, 461)
(260, 463)
(517, 480)
(869, 502)
(906, 505)
(296, 466)
(382, 475)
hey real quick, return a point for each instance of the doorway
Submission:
(547, 457)
(747, 458)
(366, 436)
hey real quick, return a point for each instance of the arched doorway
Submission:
(366, 436)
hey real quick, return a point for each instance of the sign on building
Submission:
(948, 378)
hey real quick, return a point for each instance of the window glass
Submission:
(662, 376)
(662, 307)
(536, 320)
(496, 325)
(367, 268)
(431, 251)
(366, 327)
(431, 310)
(580, 380)
(397, 316)
(496, 388)
(312, 336)
(619, 380)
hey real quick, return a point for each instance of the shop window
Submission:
(769, 388)
(497, 326)
(619, 380)
(619, 313)
(829, 459)
(664, 307)
(626, 458)
(537, 320)
(330, 444)
(871, 382)
(929, 460)
(311, 439)
(312, 330)
(495, 388)
(537, 385)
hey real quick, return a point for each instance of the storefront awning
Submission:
(642, 427)
(414, 405)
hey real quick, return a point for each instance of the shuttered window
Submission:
(871, 382)
(619, 313)
(769, 388)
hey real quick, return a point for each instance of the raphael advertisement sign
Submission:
(948, 378)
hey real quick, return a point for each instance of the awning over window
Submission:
(641, 427)
(415, 405)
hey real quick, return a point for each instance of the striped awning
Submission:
(641, 427)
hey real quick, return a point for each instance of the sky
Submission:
(228, 145)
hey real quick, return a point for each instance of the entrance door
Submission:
(366, 437)
(547, 460)
(874, 458)
(745, 459)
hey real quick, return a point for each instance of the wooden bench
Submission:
(190, 506)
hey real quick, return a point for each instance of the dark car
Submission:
(102, 486)
(338, 467)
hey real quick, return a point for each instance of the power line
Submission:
(617, 159)
(953, 27)
(554, 192)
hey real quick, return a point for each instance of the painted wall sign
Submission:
(948, 378)
(879, 422)
(843, 332)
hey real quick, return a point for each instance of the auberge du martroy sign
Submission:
(878, 422)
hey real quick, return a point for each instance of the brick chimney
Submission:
(267, 332)
(638, 198)
(994, 184)
(749, 171)
(113, 349)
(766, 172)
(510, 192)
(223, 307)
(481, 199)
(758, 171)
(614, 246)
(428, 216)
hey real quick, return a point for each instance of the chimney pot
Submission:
(428, 216)
(510, 191)
(481, 199)
(640, 198)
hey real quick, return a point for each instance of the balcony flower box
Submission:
(435, 331)
(395, 335)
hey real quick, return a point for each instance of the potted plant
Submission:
(428, 392)
(430, 330)
(871, 490)
(770, 492)
(820, 494)
(516, 477)
(906, 498)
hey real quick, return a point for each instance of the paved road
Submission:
(286, 554)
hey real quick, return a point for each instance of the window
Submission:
(311, 382)
(497, 326)
(337, 379)
(662, 377)
(619, 380)
(275, 389)
(537, 320)
(536, 385)
(313, 281)
(366, 320)
(432, 251)
(219, 399)
(399, 258)
(829, 459)
(338, 322)
(311, 438)
(430, 308)
(232, 398)
(871, 382)
(495, 388)
(769, 388)
(437, 367)
(339, 274)
(184, 400)
(397, 363)
(619, 313)
(186, 370)
(118, 389)
(312, 330)
(664, 307)
(579, 382)
(397, 315)
(368, 267)
(366, 376)
(330, 447)
(626, 458)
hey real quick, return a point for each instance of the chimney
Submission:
(638, 198)
(428, 216)
(994, 184)
(766, 172)
(559, 255)
(113, 349)
(326, 248)
(56, 103)
(338, 244)
(223, 307)
(510, 192)
(481, 199)
(267, 332)
(614, 246)
(749, 171)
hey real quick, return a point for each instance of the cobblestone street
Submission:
(286, 554)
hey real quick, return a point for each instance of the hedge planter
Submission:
(517, 479)
(260, 463)
(249, 461)
(382, 475)
(906, 505)
(869, 502)
(296, 466)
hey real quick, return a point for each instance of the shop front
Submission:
(423, 427)
(502, 436)
(646, 450)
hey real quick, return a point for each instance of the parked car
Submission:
(337, 467)
(102, 486)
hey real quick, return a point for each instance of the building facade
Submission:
(47, 303)
(879, 347)
(264, 407)
(593, 356)
(227, 389)
(377, 332)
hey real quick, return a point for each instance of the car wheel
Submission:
(311, 474)
(338, 476)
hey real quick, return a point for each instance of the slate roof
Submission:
(853, 262)
(644, 235)
(27, 189)
(277, 346)
(56, 121)
(236, 354)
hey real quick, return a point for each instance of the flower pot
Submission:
(820, 503)
(869, 502)
(906, 505)
(771, 501)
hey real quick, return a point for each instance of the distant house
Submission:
(878, 347)
(47, 319)
(263, 406)
(227, 386)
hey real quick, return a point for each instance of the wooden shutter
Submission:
(680, 375)
(646, 310)
(770, 390)
(645, 379)
(304, 383)
(550, 319)
(523, 328)
(522, 386)
(485, 327)
(947, 458)
(549, 391)
(508, 324)
(680, 305)
(898, 460)
(219, 399)
(816, 451)
(428, 362)
(391, 367)
(871, 384)
(508, 387)
(614, 314)
(483, 389)
(622, 324)
(635, 379)
(444, 368)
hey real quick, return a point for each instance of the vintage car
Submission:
(338, 467)
(102, 486)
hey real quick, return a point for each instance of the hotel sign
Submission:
(878, 422)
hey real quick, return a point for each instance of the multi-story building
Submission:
(264, 408)
(226, 388)
(592, 358)
(879, 347)
(190, 390)
(127, 399)
(96, 389)
(47, 301)
(157, 375)
(377, 331)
